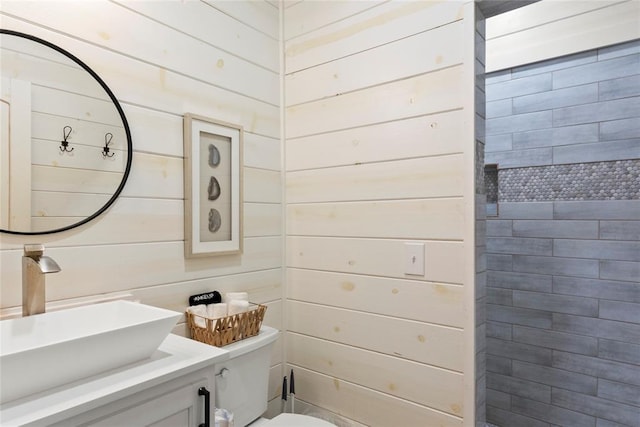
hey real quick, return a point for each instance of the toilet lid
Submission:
(295, 420)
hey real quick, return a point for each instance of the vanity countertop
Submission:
(176, 356)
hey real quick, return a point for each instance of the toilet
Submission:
(242, 384)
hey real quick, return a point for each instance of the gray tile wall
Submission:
(563, 251)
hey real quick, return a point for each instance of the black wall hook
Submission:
(64, 144)
(107, 140)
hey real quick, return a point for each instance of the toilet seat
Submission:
(296, 420)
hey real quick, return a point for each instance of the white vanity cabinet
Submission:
(174, 403)
(160, 391)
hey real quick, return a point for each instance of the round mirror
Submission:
(65, 144)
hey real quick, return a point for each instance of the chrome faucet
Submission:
(34, 266)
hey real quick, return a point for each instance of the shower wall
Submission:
(563, 245)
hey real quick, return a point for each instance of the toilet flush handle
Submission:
(224, 373)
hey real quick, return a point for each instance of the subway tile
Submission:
(611, 370)
(504, 418)
(550, 413)
(596, 288)
(618, 310)
(599, 328)
(555, 377)
(523, 122)
(556, 266)
(499, 296)
(499, 108)
(498, 399)
(597, 71)
(621, 49)
(590, 113)
(597, 209)
(522, 281)
(558, 229)
(620, 230)
(620, 129)
(499, 330)
(597, 152)
(499, 262)
(620, 270)
(597, 249)
(527, 210)
(499, 365)
(556, 99)
(619, 88)
(619, 351)
(556, 303)
(519, 387)
(566, 135)
(619, 392)
(597, 407)
(519, 316)
(519, 246)
(561, 63)
(519, 351)
(518, 87)
(498, 76)
(500, 142)
(520, 158)
(606, 423)
(556, 340)
(500, 228)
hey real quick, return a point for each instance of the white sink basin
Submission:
(48, 350)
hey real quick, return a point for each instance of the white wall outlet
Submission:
(414, 259)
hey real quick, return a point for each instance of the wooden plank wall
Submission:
(161, 60)
(379, 152)
(550, 29)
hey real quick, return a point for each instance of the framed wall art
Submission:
(212, 187)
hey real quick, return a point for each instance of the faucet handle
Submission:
(34, 250)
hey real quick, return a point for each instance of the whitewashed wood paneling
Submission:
(305, 16)
(435, 49)
(377, 26)
(365, 405)
(402, 219)
(140, 83)
(258, 14)
(116, 28)
(90, 270)
(430, 135)
(204, 22)
(378, 257)
(418, 341)
(550, 29)
(406, 179)
(428, 93)
(409, 299)
(406, 379)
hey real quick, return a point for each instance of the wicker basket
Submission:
(226, 330)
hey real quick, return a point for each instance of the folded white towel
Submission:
(218, 310)
(199, 310)
(237, 306)
(230, 296)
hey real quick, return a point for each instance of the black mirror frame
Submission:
(124, 122)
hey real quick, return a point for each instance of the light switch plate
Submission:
(414, 259)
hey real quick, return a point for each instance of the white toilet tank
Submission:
(242, 381)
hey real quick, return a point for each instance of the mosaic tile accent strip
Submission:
(491, 182)
(619, 180)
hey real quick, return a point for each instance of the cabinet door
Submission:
(179, 407)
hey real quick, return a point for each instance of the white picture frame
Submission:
(212, 187)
